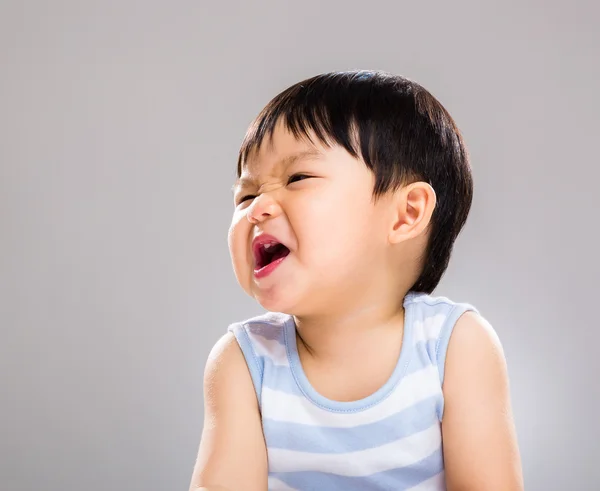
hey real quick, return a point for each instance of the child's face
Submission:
(336, 234)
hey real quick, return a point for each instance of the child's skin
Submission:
(352, 260)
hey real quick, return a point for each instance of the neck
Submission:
(336, 334)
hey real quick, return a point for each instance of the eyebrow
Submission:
(284, 162)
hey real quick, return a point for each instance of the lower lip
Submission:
(268, 269)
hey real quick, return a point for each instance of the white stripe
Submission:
(278, 485)
(435, 483)
(428, 328)
(400, 453)
(291, 408)
(270, 348)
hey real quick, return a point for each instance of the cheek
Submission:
(336, 231)
(237, 240)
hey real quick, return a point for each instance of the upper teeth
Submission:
(267, 246)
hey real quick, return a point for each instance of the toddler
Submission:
(352, 188)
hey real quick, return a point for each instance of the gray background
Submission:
(119, 129)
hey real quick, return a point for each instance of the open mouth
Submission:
(270, 252)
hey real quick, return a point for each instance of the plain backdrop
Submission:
(120, 123)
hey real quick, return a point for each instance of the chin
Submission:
(274, 304)
(275, 300)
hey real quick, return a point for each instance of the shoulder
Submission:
(225, 369)
(435, 319)
(465, 339)
(473, 328)
(436, 313)
(474, 343)
(259, 339)
(475, 364)
(430, 305)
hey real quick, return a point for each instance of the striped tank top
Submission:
(390, 440)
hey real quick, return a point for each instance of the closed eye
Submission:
(245, 198)
(297, 177)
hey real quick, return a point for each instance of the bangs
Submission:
(341, 108)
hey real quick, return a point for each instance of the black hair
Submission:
(401, 132)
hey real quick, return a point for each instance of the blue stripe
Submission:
(423, 356)
(396, 479)
(323, 439)
(279, 377)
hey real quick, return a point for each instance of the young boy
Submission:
(352, 188)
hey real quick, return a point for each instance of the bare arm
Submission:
(232, 454)
(479, 437)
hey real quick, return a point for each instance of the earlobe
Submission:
(414, 205)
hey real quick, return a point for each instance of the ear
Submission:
(413, 207)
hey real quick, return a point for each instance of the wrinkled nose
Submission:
(262, 208)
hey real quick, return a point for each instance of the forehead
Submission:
(275, 154)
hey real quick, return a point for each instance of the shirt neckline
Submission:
(361, 404)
